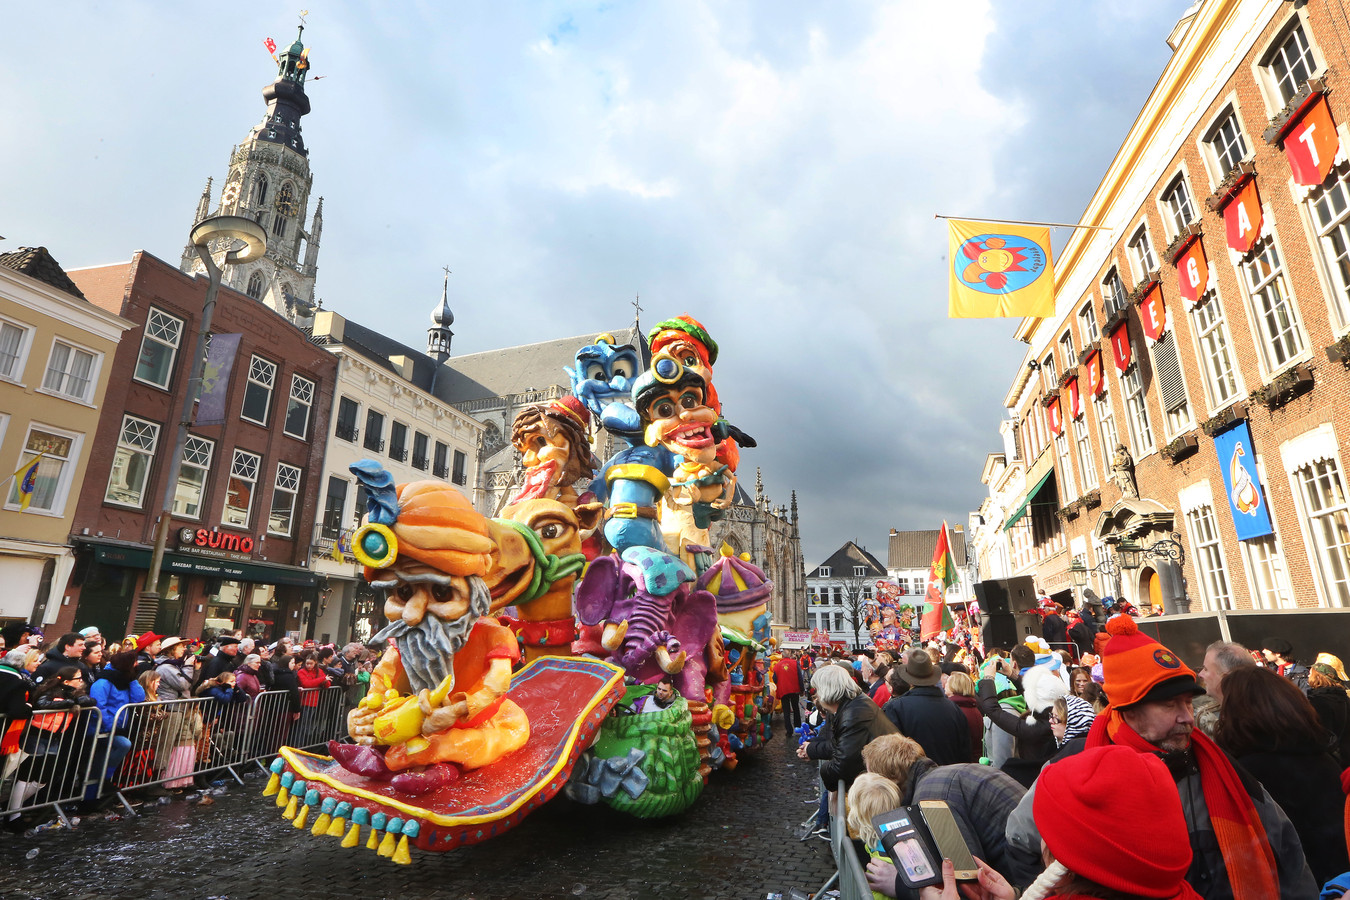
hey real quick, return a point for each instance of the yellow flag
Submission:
(999, 270)
(26, 480)
(336, 552)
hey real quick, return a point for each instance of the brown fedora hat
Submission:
(919, 670)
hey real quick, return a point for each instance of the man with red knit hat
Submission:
(1243, 845)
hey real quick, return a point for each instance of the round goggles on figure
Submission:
(666, 368)
(375, 546)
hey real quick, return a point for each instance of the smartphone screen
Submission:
(942, 825)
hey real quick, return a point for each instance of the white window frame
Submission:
(1171, 211)
(24, 347)
(1206, 339)
(1182, 418)
(823, 572)
(1087, 323)
(1325, 235)
(1142, 258)
(1067, 350)
(1135, 399)
(198, 453)
(1224, 138)
(240, 468)
(136, 437)
(147, 334)
(285, 484)
(1207, 557)
(1068, 484)
(297, 398)
(1307, 451)
(1267, 573)
(91, 379)
(257, 365)
(63, 479)
(1114, 295)
(1264, 70)
(1082, 437)
(1279, 284)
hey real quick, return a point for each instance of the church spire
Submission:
(312, 240)
(439, 334)
(286, 99)
(204, 204)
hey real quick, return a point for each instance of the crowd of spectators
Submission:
(1077, 772)
(63, 702)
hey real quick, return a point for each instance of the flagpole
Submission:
(1025, 222)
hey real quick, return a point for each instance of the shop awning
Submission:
(1031, 495)
(181, 564)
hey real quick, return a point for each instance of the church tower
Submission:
(269, 181)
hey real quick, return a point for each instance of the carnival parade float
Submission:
(587, 639)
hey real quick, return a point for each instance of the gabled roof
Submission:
(842, 561)
(914, 549)
(513, 370)
(37, 263)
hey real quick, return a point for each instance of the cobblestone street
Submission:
(736, 842)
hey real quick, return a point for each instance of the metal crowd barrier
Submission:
(850, 871)
(172, 742)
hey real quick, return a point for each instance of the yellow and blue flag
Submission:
(26, 480)
(999, 270)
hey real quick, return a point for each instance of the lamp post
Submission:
(203, 233)
(1110, 566)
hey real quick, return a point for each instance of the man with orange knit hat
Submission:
(1243, 845)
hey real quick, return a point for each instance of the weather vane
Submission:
(446, 270)
(304, 14)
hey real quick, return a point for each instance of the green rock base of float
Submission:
(671, 763)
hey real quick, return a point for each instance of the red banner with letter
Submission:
(1242, 218)
(1193, 272)
(1053, 416)
(1311, 145)
(1075, 401)
(1093, 364)
(1153, 314)
(1120, 346)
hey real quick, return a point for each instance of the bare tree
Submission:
(857, 596)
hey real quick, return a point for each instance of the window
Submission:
(1087, 324)
(287, 485)
(1177, 204)
(374, 431)
(1216, 360)
(13, 344)
(420, 442)
(1113, 292)
(1136, 411)
(260, 190)
(1066, 350)
(1141, 254)
(1276, 319)
(131, 463)
(824, 572)
(459, 476)
(297, 408)
(442, 464)
(859, 571)
(1328, 519)
(1209, 565)
(1083, 440)
(348, 410)
(243, 483)
(838, 621)
(262, 377)
(187, 499)
(279, 225)
(1226, 144)
(1329, 204)
(159, 348)
(255, 286)
(1172, 386)
(334, 503)
(59, 450)
(1269, 578)
(1290, 62)
(70, 372)
(1066, 480)
(1106, 426)
(398, 441)
(1049, 373)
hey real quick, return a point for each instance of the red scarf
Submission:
(1237, 826)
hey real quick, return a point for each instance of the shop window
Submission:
(70, 372)
(262, 378)
(131, 462)
(159, 348)
(59, 451)
(243, 484)
(281, 518)
(298, 407)
(224, 606)
(187, 499)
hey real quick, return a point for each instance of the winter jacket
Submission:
(15, 694)
(247, 681)
(1333, 708)
(1306, 783)
(1081, 632)
(318, 678)
(840, 746)
(974, 723)
(285, 680)
(1034, 739)
(144, 662)
(1056, 632)
(925, 714)
(110, 698)
(52, 662)
(213, 665)
(175, 680)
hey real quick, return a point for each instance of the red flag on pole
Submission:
(270, 44)
(941, 575)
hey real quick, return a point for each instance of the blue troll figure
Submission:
(604, 374)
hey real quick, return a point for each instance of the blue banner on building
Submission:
(1246, 501)
(216, 379)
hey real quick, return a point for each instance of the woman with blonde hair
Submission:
(871, 795)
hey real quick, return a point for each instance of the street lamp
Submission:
(1130, 553)
(1080, 572)
(216, 228)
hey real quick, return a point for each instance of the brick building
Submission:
(1203, 327)
(239, 547)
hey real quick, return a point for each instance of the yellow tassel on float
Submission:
(289, 812)
(320, 824)
(300, 819)
(273, 785)
(373, 842)
(353, 837)
(335, 828)
(282, 797)
(401, 855)
(387, 845)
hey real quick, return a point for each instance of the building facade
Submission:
(56, 356)
(909, 558)
(1186, 399)
(238, 551)
(838, 592)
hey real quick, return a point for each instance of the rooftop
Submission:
(37, 263)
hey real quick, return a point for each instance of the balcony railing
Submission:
(442, 470)
(399, 454)
(419, 462)
(376, 445)
(347, 432)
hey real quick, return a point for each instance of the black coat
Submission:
(1307, 785)
(840, 747)
(53, 662)
(1034, 741)
(15, 693)
(929, 717)
(1055, 631)
(1333, 708)
(1082, 633)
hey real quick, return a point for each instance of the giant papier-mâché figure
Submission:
(603, 373)
(553, 444)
